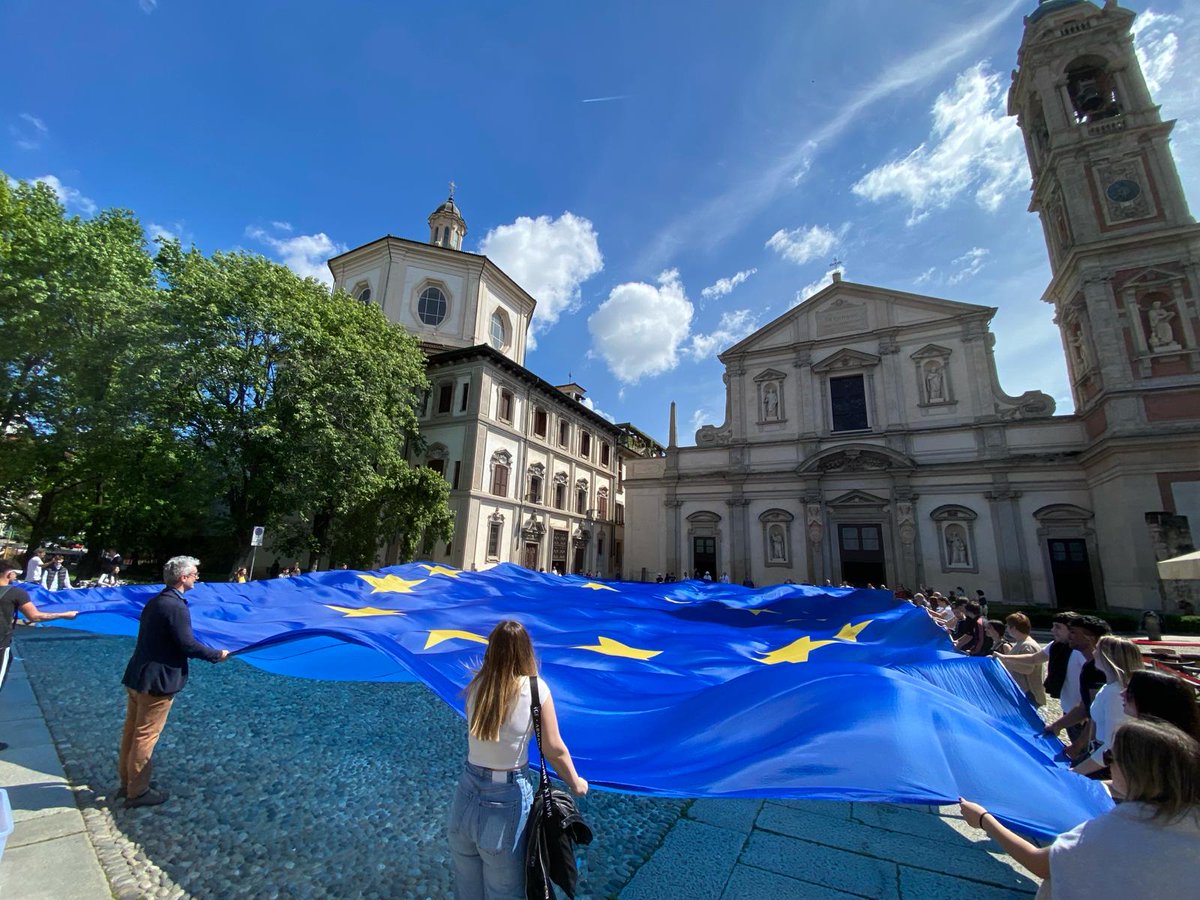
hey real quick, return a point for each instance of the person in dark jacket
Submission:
(157, 671)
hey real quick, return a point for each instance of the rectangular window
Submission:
(602, 503)
(604, 455)
(535, 489)
(457, 472)
(445, 398)
(585, 445)
(620, 513)
(539, 422)
(581, 501)
(493, 545)
(439, 466)
(500, 481)
(466, 395)
(560, 496)
(848, 403)
(564, 433)
(506, 406)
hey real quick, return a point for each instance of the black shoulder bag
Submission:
(555, 827)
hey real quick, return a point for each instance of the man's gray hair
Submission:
(177, 567)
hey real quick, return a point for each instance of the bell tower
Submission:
(1125, 261)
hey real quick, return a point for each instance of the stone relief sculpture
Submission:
(906, 522)
(816, 525)
(1162, 334)
(1080, 353)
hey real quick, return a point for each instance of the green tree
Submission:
(71, 291)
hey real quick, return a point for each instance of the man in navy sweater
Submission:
(157, 671)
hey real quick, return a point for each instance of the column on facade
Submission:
(1012, 561)
(904, 505)
(738, 564)
(814, 536)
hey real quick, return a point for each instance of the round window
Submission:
(432, 306)
(499, 331)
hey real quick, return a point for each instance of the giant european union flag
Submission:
(691, 689)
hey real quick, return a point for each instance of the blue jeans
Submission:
(487, 834)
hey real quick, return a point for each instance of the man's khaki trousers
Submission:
(145, 716)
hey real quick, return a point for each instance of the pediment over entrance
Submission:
(847, 359)
(858, 499)
(856, 458)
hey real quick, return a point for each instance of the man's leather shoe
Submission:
(150, 798)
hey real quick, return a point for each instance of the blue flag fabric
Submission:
(689, 689)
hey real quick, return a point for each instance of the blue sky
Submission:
(661, 176)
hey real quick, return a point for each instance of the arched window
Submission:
(1092, 89)
(362, 292)
(431, 307)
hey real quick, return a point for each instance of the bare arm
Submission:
(556, 750)
(33, 614)
(1073, 717)
(1035, 859)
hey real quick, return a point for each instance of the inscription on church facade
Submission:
(841, 317)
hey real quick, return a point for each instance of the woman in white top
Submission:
(1146, 847)
(491, 804)
(1117, 658)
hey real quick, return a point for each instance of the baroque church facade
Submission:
(535, 476)
(867, 438)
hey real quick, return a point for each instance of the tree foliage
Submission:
(173, 402)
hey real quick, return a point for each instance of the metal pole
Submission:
(253, 554)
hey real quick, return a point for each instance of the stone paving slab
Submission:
(693, 863)
(738, 815)
(49, 855)
(827, 866)
(747, 882)
(922, 884)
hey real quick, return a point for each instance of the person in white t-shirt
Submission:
(491, 804)
(1118, 658)
(33, 569)
(1148, 846)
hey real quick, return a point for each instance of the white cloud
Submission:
(28, 131)
(304, 254)
(69, 196)
(1157, 46)
(166, 232)
(973, 146)
(815, 287)
(148, 6)
(724, 286)
(549, 258)
(282, 226)
(638, 330)
(926, 276)
(700, 416)
(587, 401)
(801, 245)
(732, 328)
(714, 220)
(968, 265)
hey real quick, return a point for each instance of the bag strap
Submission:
(535, 711)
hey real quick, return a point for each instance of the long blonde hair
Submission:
(509, 656)
(1161, 766)
(1121, 655)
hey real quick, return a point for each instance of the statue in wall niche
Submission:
(956, 548)
(1079, 349)
(935, 383)
(770, 402)
(776, 540)
(1162, 335)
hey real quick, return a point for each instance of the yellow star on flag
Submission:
(795, 652)
(850, 632)
(437, 635)
(442, 570)
(390, 584)
(609, 647)
(363, 611)
(593, 586)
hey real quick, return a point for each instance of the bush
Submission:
(1043, 617)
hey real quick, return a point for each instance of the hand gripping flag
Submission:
(689, 689)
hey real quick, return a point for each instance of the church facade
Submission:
(535, 476)
(867, 438)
